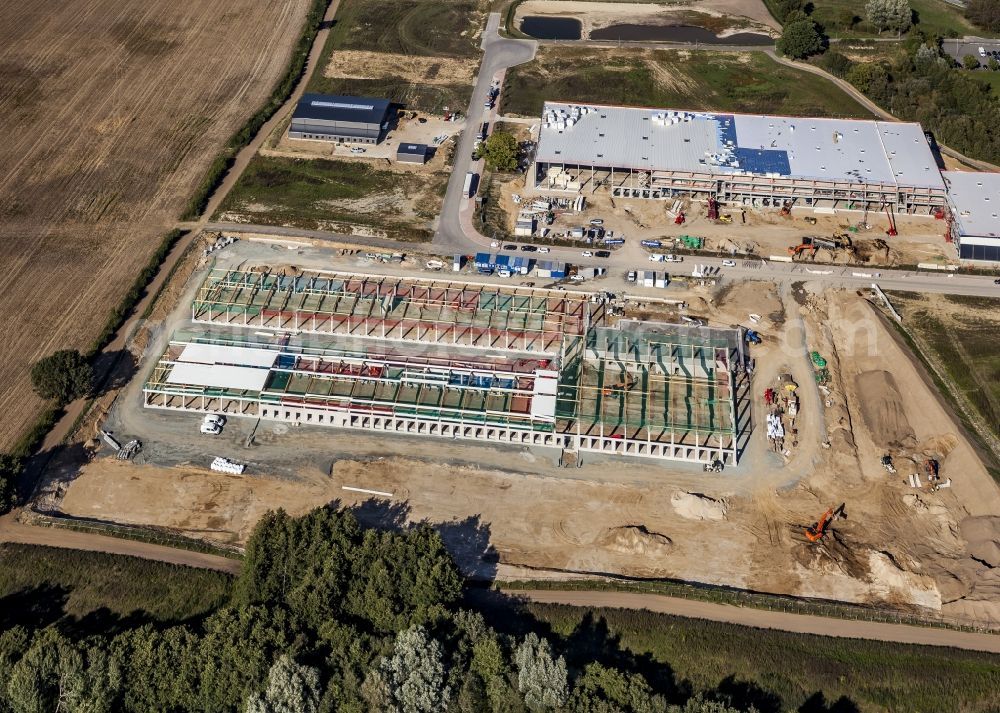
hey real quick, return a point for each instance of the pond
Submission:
(676, 33)
(551, 28)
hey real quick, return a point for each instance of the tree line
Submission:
(330, 616)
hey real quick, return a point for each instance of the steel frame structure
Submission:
(745, 189)
(388, 355)
(390, 308)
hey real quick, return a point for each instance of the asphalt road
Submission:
(958, 49)
(498, 54)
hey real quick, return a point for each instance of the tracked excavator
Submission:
(620, 387)
(807, 244)
(818, 530)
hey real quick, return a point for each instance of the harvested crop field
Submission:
(748, 82)
(113, 110)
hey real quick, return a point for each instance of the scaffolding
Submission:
(390, 308)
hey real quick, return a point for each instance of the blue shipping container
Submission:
(651, 244)
(483, 260)
(614, 241)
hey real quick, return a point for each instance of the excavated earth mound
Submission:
(695, 506)
(636, 540)
(882, 409)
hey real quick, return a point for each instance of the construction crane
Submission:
(818, 530)
(891, 232)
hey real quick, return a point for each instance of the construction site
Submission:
(601, 428)
(455, 360)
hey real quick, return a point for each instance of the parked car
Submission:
(495, 244)
(596, 221)
(602, 253)
(503, 272)
(529, 248)
(215, 418)
(729, 263)
(510, 247)
(544, 250)
(587, 253)
(212, 429)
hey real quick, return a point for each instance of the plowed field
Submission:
(112, 111)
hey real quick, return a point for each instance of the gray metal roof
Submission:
(670, 140)
(975, 198)
(324, 107)
(412, 149)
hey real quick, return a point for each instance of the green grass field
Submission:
(320, 194)
(438, 28)
(719, 81)
(48, 584)
(780, 671)
(990, 79)
(427, 28)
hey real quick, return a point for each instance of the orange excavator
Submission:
(621, 387)
(816, 532)
(807, 244)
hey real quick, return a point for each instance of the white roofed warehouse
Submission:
(320, 117)
(975, 210)
(738, 159)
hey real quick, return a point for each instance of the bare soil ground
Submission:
(515, 513)
(112, 111)
(765, 232)
(361, 64)
(724, 16)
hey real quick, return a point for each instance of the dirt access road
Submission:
(12, 531)
(764, 619)
(108, 358)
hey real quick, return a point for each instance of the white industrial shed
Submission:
(975, 203)
(736, 158)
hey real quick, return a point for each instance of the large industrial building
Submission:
(737, 158)
(975, 226)
(320, 117)
(458, 360)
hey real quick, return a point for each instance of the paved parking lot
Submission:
(960, 48)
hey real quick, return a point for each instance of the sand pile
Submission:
(695, 506)
(983, 537)
(882, 409)
(890, 580)
(635, 540)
